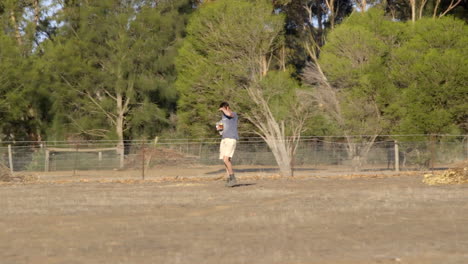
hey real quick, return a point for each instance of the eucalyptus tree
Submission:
(416, 9)
(350, 78)
(377, 76)
(308, 22)
(229, 54)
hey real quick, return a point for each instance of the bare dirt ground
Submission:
(310, 219)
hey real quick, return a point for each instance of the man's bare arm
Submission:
(226, 111)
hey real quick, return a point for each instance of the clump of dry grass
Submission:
(7, 176)
(451, 176)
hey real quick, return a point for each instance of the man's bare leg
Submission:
(231, 178)
(228, 165)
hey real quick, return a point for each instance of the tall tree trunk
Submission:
(452, 5)
(436, 8)
(280, 151)
(283, 58)
(37, 12)
(119, 128)
(358, 152)
(413, 10)
(362, 5)
(331, 8)
(421, 8)
(15, 26)
(320, 28)
(263, 66)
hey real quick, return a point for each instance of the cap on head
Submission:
(224, 104)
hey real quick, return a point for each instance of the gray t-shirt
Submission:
(230, 126)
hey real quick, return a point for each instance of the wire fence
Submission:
(193, 157)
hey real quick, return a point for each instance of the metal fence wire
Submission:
(319, 154)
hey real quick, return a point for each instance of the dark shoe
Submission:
(231, 181)
(228, 183)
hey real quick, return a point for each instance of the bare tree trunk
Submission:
(283, 58)
(119, 128)
(393, 13)
(321, 28)
(270, 131)
(436, 8)
(263, 66)
(421, 8)
(282, 156)
(413, 10)
(362, 4)
(309, 13)
(331, 7)
(332, 17)
(451, 6)
(37, 12)
(15, 26)
(358, 152)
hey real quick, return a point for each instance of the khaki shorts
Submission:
(227, 147)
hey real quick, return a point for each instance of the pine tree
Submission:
(113, 67)
(429, 70)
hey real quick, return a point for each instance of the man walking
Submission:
(228, 128)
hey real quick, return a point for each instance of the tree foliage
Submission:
(65, 64)
(114, 69)
(429, 70)
(229, 57)
(24, 104)
(379, 76)
(350, 76)
(222, 53)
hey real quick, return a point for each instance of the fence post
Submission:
(46, 165)
(433, 154)
(466, 147)
(397, 157)
(75, 159)
(100, 158)
(10, 158)
(122, 156)
(152, 150)
(143, 162)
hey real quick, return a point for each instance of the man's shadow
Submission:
(242, 185)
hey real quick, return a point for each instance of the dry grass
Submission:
(6, 176)
(457, 175)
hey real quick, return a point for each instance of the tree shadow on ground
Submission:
(257, 170)
(404, 169)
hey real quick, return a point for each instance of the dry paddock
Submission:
(323, 220)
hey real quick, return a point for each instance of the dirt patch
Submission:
(394, 219)
(151, 157)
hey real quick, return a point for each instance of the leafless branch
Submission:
(451, 6)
